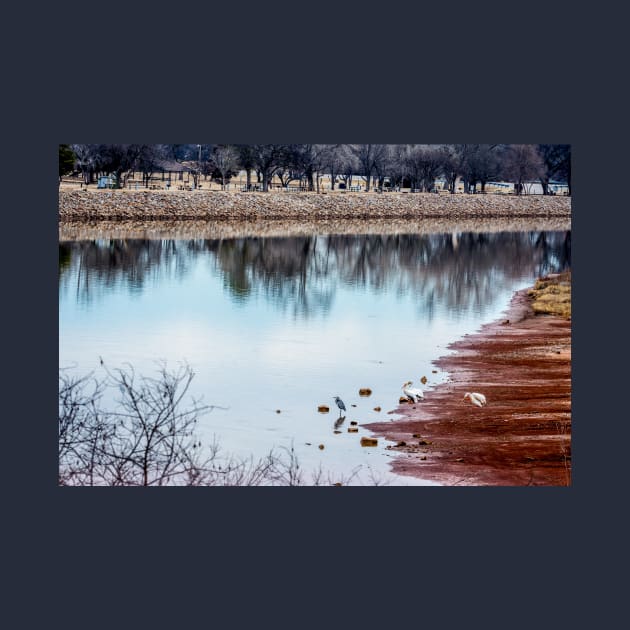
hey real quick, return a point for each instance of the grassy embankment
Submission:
(551, 295)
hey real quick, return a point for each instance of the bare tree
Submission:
(423, 163)
(333, 157)
(267, 159)
(451, 165)
(80, 428)
(480, 163)
(522, 163)
(88, 160)
(120, 160)
(349, 166)
(308, 159)
(147, 441)
(557, 161)
(246, 160)
(148, 161)
(225, 159)
(369, 157)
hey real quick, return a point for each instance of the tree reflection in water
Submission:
(302, 274)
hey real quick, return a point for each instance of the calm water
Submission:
(287, 323)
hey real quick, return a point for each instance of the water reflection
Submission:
(302, 274)
(298, 319)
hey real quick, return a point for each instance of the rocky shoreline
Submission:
(522, 364)
(141, 205)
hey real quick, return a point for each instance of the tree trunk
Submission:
(248, 181)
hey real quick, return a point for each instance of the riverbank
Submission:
(522, 364)
(141, 205)
(260, 228)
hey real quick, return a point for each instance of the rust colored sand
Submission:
(522, 364)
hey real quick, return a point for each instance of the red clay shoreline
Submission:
(522, 363)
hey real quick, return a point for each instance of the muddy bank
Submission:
(522, 436)
(139, 205)
(225, 229)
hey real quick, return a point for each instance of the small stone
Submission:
(423, 380)
(353, 429)
(277, 410)
(366, 441)
(321, 447)
(401, 443)
(323, 409)
(377, 408)
(336, 431)
(353, 423)
(365, 391)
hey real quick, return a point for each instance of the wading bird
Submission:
(413, 393)
(340, 404)
(475, 398)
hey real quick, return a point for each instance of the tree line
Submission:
(415, 166)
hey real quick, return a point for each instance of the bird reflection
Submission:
(339, 421)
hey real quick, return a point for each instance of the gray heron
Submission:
(340, 404)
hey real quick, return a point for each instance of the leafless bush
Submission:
(149, 438)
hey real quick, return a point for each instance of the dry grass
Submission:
(551, 295)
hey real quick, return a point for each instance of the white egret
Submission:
(475, 398)
(413, 393)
